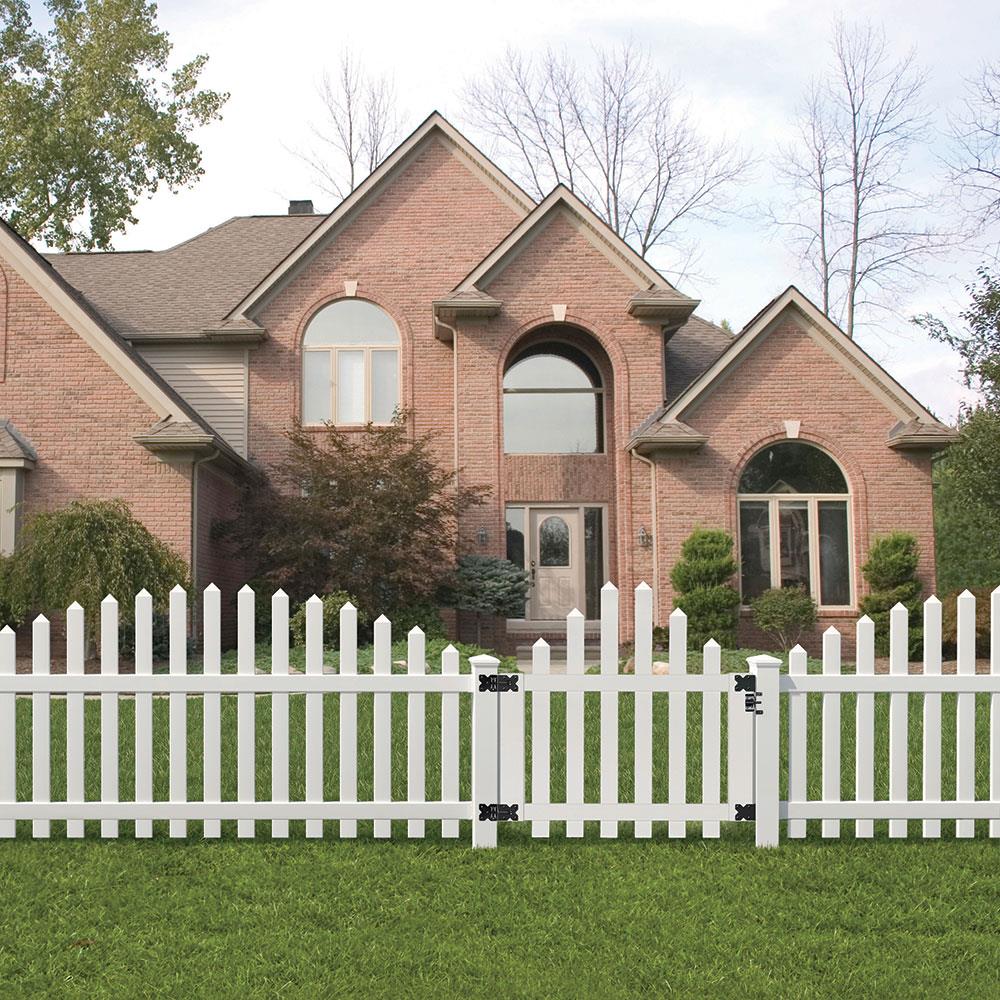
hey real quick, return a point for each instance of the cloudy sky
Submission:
(743, 64)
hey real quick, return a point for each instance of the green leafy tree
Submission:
(332, 603)
(702, 581)
(784, 613)
(488, 586)
(891, 572)
(93, 118)
(371, 513)
(82, 553)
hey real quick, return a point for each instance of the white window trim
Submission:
(331, 351)
(813, 500)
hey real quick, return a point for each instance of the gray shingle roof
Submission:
(12, 445)
(190, 287)
(690, 351)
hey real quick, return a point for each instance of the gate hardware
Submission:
(744, 811)
(497, 812)
(745, 682)
(498, 683)
(751, 704)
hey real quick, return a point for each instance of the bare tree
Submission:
(617, 133)
(975, 163)
(359, 128)
(861, 228)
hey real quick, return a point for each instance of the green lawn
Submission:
(432, 918)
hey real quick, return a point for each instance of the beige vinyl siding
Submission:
(212, 379)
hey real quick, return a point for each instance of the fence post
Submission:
(766, 730)
(485, 759)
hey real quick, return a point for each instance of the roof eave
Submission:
(931, 441)
(671, 313)
(649, 444)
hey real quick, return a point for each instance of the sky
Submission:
(743, 65)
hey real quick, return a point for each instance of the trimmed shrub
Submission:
(488, 586)
(784, 613)
(891, 575)
(332, 603)
(949, 622)
(701, 580)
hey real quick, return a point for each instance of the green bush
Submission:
(332, 603)
(949, 621)
(891, 575)
(426, 617)
(701, 580)
(488, 586)
(784, 613)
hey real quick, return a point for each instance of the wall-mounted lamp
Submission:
(645, 538)
(482, 537)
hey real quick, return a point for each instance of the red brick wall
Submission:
(80, 417)
(790, 377)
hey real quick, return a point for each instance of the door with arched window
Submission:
(555, 565)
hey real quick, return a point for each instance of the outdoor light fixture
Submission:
(645, 539)
(481, 536)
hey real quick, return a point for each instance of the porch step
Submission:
(557, 654)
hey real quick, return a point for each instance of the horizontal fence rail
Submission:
(677, 746)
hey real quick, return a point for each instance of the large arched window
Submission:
(553, 402)
(350, 365)
(795, 528)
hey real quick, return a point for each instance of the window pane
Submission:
(593, 559)
(553, 542)
(385, 385)
(755, 549)
(350, 387)
(315, 386)
(792, 467)
(552, 423)
(549, 371)
(793, 519)
(352, 322)
(834, 553)
(515, 535)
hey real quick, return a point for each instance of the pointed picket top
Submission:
(110, 599)
(279, 593)
(712, 644)
(382, 620)
(416, 631)
(314, 600)
(449, 649)
(609, 588)
(178, 589)
(968, 593)
(211, 589)
(933, 599)
(677, 614)
(40, 620)
(899, 606)
(75, 606)
(798, 649)
(644, 586)
(575, 613)
(831, 631)
(6, 630)
(348, 607)
(996, 591)
(246, 589)
(540, 643)
(144, 593)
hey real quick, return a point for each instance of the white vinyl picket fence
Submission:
(758, 786)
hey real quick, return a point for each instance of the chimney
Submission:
(304, 207)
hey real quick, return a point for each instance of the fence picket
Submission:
(74, 715)
(246, 730)
(449, 741)
(540, 735)
(609, 705)
(797, 745)
(831, 731)
(677, 722)
(314, 712)
(383, 724)
(864, 732)
(898, 717)
(416, 743)
(348, 716)
(739, 759)
(8, 729)
(932, 713)
(643, 664)
(178, 706)
(109, 712)
(144, 709)
(485, 763)
(574, 719)
(965, 722)
(279, 709)
(995, 708)
(711, 737)
(212, 706)
(40, 725)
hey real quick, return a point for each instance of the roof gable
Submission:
(434, 127)
(841, 348)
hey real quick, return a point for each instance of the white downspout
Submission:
(655, 583)
(454, 387)
(195, 606)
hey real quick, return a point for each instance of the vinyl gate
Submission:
(482, 739)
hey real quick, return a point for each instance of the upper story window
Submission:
(350, 365)
(553, 402)
(795, 531)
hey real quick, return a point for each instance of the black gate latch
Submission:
(497, 812)
(747, 683)
(746, 810)
(498, 682)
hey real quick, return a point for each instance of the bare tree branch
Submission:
(974, 165)
(617, 133)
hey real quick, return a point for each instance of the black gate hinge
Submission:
(498, 683)
(497, 812)
(747, 683)
(746, 810)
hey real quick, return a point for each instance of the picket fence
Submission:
(498, 731)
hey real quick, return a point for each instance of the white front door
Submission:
(556, 562)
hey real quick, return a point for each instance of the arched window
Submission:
(553, 402)
(795, 528)
(350, 365)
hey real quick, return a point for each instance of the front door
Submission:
(556, 562)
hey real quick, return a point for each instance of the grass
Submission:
(433, 918)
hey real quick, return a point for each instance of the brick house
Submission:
(550, 361)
